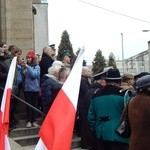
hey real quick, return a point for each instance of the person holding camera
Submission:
(31, 86)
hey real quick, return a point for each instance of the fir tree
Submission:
(99, 62)
(111, 61)
(65, 44)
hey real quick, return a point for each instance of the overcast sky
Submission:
(98, 26)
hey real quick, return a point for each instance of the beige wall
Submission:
(17, 23)
(41, 27)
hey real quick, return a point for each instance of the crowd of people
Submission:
(38, 77)
(102, 98)
(104, 105)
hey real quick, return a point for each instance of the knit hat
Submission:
(30, 54)
(143, 83)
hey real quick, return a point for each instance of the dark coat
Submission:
(88, 139)
(49, 90)
(139, 119)
(45, 63)
(105, 111)
(84, 87)
(3, 75)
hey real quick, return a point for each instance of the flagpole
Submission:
(122, 52)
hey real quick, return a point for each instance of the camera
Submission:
(23, 61)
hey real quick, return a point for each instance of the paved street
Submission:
(32, 148)
(15, 146)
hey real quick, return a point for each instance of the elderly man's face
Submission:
(51, 52)
(86, 72)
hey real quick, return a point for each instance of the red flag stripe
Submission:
(52, 137)
(6, 111)
(1, 133)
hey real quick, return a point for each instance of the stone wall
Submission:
(16, 19)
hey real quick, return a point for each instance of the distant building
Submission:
(119, 65)
(136, 64)
(43, 1)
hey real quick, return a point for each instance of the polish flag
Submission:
(57, 129)
(4, 110)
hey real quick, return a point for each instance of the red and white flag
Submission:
(4, 110)
(57, 129)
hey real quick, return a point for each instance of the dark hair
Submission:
(14, 49)
(2, 43)
(18, 50)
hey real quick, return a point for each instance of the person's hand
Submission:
(24, 63)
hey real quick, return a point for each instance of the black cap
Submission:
(63, 54)
(103, 74)
(100, 75)
(52, 46)
(141, 75)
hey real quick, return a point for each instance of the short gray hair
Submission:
(64, 71)
(53, 69)
(46, 49)
(57, 63)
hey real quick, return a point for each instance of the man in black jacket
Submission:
(47, 59)
(84, 86)
(3, 72)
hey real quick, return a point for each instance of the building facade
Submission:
(136, 64)
(19, 25)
